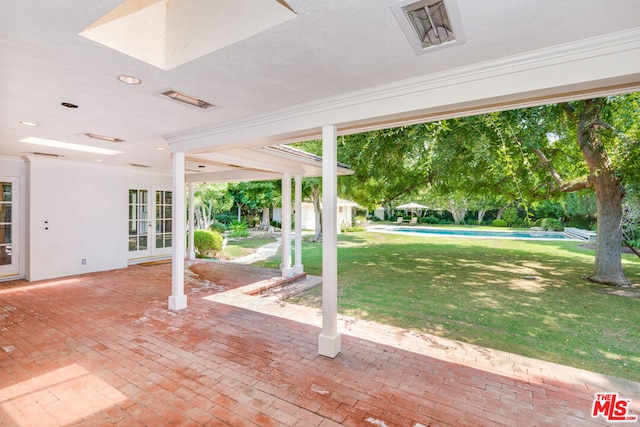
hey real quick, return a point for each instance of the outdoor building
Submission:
(308, 214)
(111, 110)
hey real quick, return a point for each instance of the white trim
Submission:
(519, 80)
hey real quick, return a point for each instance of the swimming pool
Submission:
(431, 231)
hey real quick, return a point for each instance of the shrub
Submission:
(582, 221)
(552, 224)
(239, 229)
(276, 224)
(206, 243)
(499, 223)
(218, 226)
(352, 229)
(226, 219)
(521, 223)
(510, 215)
(431, 220)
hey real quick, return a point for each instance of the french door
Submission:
(150, 214)
(9, 215)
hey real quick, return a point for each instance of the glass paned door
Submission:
(139, 220)
(163, 219)
(149, 223)
(8, 227)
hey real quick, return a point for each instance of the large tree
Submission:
(251, 198)
(554, 149)
(605, 136)
(208, 201)
(522, 155)
(389, 164)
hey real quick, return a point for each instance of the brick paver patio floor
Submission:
(103, 349)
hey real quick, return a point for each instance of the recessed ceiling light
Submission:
(97, 160)
(69, 105)
(161, 148)
(130, 80)
(103, 138)
(32, 124)
(69, 146)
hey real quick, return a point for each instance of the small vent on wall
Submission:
(187, 99)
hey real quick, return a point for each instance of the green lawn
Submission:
(480, 291)
(239, 247)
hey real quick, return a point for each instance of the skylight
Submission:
(429, 23)
(169, 33)
(69, 146)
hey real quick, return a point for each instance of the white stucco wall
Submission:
(85, 207)
(308, 215)
(85, 210)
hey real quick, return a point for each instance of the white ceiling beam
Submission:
(238, 175)
(573, 70)
(253, 160)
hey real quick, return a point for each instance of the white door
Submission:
(150, 214)
(9, 215)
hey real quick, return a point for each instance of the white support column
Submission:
(178, 300)
(329, 342)
(192, 248)
(287, 271)
(298, 268)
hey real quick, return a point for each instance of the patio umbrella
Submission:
(411, 206)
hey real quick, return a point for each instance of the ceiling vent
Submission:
(186, 99)
(138, 165)
(429, 24)
(38, 153)
(104, 138)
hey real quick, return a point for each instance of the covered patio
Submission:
(104, 348)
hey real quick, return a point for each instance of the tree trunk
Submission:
(481, 213)
(265, 218)
(609, 194)
(608, 263)
(315, 199)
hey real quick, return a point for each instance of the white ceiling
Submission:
(331, 48)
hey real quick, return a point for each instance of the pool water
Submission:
(539, 235)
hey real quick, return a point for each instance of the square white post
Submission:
(192, 249)
(287, 271)
(298, 268)
(329, 342)
(178, 300)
